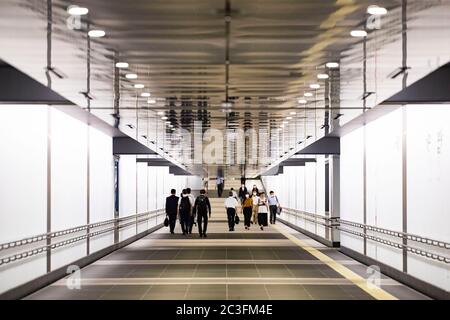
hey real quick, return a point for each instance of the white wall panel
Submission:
(23, 172)
(127, 191)
(151, 188)
(142, 193)
(351, 184)
(69, 182)
(101, 185)
(384, 183)
(428, 185)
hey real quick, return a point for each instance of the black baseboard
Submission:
(417, 284)
(28, 288)
(320, 239)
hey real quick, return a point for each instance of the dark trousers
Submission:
(273, 213)
(231, 212)
(172, 221)
(202, 217)
(247, 216)
(220, 189)
(191, 223)
(184, 221)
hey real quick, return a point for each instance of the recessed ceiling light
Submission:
(167, 122)
(145, 94)
(292, 112)
(139, 86)
(160, 113)
(302, 101)
(77, 11)
(285, 122)
(164, 118)
(358, 33)
(227, 104)
(322, 76)
(308, 94)
(96, 33)
(332, 65)
(151, 101)
(131, 76)
(122, 65)
(288, 118)
(314, 86)
(376, 10)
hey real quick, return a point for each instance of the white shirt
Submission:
(231, 202)
(191, 199)
(255, 200)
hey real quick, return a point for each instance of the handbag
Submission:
(279, 210)
(236, 219)
(166, 221)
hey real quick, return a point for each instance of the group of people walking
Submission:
(187, 208)
(256, 208)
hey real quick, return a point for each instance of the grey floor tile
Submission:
(210, 271)
(178, 271)
(287, 292)
(206, 292)
(247, 292)
(242, 271)
(327, 292)
(134, 292)
(273, 271)
(166, 292)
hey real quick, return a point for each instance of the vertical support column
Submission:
(404, 138)
(334, 202)
(88, 188)
(116, 198)
(49, 134)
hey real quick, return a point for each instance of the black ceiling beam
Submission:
(19, 88)
(178, 171)
(127, 145)
(325, 145)
(433, 88)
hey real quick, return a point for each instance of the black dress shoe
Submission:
(204, 235)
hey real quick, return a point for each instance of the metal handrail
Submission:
(408, 236)
(45, 248)
(336, 223)
(54, 234)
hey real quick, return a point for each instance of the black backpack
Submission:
(201, 205)
(185, 205)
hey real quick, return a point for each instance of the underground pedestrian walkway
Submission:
(277, 263)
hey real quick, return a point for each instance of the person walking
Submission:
(184, 209)
(220, 185)
(255, 189)
(192, 214)
(274, 204)
(247, 210)
(172, 209)
(242, 192)
(255, 199)
(263, 209)
(235, 195)
(202, 207)
(231, 204)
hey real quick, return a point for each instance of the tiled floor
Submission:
(235, 265)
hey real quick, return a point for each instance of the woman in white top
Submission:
(263, 209)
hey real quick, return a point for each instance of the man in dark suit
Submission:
(172, 209)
